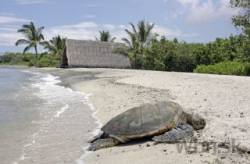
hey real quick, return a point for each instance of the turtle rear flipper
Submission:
(103, 143)
(182, 131)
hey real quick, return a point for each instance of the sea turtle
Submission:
(163, 121)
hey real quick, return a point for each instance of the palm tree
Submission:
(33, 37)
(105, 36)
(56, 45)
(132, 42)
(139, 37)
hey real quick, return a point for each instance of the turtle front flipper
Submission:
(103, 143)
(180, 132)
(98, 136)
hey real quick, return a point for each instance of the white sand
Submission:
(222, 100)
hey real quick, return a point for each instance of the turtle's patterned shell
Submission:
(145, 120)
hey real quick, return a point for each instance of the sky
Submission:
(187, 20)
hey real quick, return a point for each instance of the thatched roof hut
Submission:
(80, 53)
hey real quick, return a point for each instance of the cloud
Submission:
(204, 11)
(30, 2)
(84, 30)
(8, 29)
(11, 20)
(90, 30)
(171, 33)
(9, 37)
(81, 31)
(187, 2)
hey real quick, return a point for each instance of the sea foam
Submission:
(50, 90)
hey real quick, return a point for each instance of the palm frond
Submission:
(56, 45)
(39, 30)
(131, 34)
(139, 37)
(27, 48)
(22, 41)
(33, 36)
(22, 30)
(133, 27)
(127, 42)
(113, 39)
(105, 36)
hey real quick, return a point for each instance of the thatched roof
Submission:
(82, 53)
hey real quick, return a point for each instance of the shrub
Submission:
(45, 61)
(6, 58)
(123, 50)
(12, 59)
(29, 59)
(225, 68)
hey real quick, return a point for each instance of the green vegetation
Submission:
(172, 55)
(16, 58)
(46, 60)
(140, 38)
(55, 46)
(226, 68)
(147, 50)
(105, 36)
(29, 59)
(243, 19)
(33, 36)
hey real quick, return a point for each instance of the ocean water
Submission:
(41, 121)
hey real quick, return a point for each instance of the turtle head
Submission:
(196, 121)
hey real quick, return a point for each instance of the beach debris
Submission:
(241, 114)
(163, 122)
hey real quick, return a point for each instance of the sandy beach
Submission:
(82, 100)
(125, 82)
(222, 100)
(85, 99)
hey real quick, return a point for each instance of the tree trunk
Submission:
(36, 51)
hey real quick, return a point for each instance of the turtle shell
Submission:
(145, 120)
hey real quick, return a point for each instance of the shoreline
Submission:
(46, 141)
(114, 91)
(220, 99)
(86, 101)
(69, 78)
(69, 85)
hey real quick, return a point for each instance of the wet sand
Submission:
(61, 129)
(222, 100)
